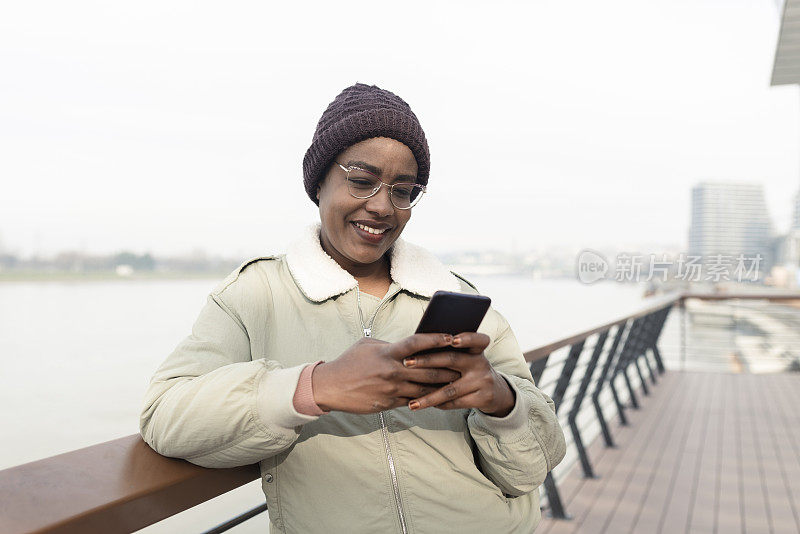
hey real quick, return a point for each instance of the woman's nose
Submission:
(380, 203)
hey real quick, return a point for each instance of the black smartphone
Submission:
(453, 313)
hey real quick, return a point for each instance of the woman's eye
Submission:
(361, 182)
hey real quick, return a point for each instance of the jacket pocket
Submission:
(488, 482)
(476, 462)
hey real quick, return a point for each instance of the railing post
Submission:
(617, 365)
(537, 368)
(576, 404)
(638, 350)
(660, 321)
(649, 331)
(553, 497)
(566, 373)
(624, 361)
(650, 371)
(683, 334)
(599, 386)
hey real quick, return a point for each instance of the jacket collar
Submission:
(319, 277)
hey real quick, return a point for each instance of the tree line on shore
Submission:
(78, 262)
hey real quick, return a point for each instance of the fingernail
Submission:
(409, 362)
(413, 405)
(456, 341)
(448, 338)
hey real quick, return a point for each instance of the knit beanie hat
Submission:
(359, 112)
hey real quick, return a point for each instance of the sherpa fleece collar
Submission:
(319, 277)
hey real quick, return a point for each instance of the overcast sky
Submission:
(173, 126)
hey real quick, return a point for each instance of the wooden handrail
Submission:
(118, 486)
(123, 485)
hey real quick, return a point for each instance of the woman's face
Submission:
(340, 213)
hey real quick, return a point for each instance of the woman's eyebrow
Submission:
(365, 166)
(376, 171)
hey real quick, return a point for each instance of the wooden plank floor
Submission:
(706, 452)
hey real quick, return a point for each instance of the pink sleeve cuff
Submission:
(303, 399)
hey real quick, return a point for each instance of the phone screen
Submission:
(453, 313)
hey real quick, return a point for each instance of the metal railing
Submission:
(604, 354)
(123, 485)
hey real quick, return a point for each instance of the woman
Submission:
(307, 363)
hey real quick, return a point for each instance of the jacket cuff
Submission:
(510, 427)
(275, 396)
(303, 399)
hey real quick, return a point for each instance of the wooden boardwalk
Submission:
(706, 452)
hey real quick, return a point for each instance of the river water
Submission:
(77, 357)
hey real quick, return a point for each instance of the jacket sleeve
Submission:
(517, 451)
(212, 404)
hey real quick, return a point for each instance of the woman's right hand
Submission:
(370, 377)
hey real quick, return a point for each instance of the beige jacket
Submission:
(224, 398)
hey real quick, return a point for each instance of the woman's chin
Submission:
(365, 254)
(366, 259)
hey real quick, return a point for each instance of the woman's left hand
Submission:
(480, 386)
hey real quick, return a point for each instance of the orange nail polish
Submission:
(456, 341)
(409, 362)
(413, 405)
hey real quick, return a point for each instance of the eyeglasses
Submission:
(364, 184)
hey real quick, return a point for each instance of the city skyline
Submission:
(618, 244)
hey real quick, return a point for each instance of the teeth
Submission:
(370, 230)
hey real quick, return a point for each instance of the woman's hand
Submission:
(479, 386)
(370, 376)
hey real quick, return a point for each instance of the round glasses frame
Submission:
(381, 183)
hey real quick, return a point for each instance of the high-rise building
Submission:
(730, 218)
(796, 214)
(786, 71)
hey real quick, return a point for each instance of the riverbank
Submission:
(105, 276)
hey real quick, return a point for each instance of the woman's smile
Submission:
(373, 233)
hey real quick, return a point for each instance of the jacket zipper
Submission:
(384, 430)
(393, 472)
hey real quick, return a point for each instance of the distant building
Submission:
(731, 218)
(786, 71)
(788, 254)
(786, 68)
(796, 214)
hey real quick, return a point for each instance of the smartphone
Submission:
(453, 313)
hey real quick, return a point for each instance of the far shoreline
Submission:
(105, 276)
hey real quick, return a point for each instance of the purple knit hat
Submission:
(359, 112)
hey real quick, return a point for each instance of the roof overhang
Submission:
(786, 69)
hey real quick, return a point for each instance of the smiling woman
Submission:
(357, 232)
(307, 362)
